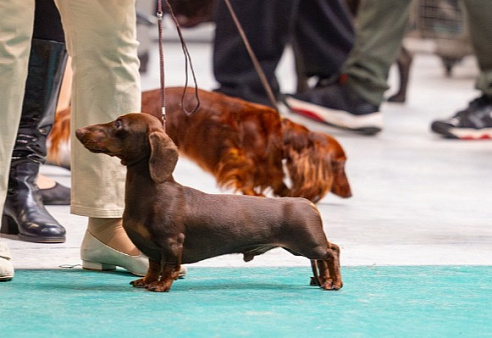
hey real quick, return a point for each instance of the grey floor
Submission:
(418, 199)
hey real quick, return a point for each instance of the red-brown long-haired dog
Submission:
(244, 145)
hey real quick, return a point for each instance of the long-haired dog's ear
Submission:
(341, 185)
(309, 167)
(163, 156)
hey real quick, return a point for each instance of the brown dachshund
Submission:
(173, 224)
(244, 145)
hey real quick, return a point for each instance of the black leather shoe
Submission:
(57, 195)
(24, 213)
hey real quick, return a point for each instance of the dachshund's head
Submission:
(133, 138)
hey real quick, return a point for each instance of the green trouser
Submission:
(479, 13)
(380, 28)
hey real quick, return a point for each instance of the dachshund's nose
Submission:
(79, 133)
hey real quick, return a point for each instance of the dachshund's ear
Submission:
(163, 156)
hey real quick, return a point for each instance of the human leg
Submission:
(266, 24)
(24, 212)
(47, 26)
(15, 44)
(353, 101)
(475, 121)
(324, 35)
(101, 39)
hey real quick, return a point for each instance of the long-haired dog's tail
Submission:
(58, 142)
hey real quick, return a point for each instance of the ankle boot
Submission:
(24, 213)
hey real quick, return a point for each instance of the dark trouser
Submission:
(322, 29)
(324, 34)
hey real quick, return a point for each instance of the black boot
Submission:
(24, 212)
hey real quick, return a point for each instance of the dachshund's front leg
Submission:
(170, 265)
(152, 275)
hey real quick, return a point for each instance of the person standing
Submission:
(352, 102)
(101, 39)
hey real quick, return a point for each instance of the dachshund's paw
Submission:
(139, 283)
(159, 286)
(331, 285)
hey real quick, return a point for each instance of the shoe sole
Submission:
(368, 124)
(94, 266)
(97, 266)
(462, 133)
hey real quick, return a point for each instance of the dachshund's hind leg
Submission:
(315, 280)
(330, 277)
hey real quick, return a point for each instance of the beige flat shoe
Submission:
(6, 267)
(98, 256)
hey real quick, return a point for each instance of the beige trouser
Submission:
(16, 28)
(101, 38)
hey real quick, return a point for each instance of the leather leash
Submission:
(254, 59)
(160, 16)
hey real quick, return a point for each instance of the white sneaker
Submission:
(6, 267)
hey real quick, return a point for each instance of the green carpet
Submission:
(430, 301)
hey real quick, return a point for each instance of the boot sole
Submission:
(10, 227)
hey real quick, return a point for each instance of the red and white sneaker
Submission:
(472, 123)
(338, 106)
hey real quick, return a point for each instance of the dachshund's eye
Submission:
(118, 125)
